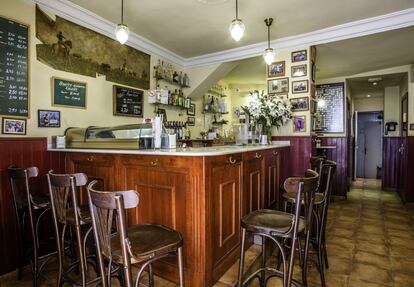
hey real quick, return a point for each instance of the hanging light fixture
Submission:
(121, 30)
(269, 54)
(237, 26)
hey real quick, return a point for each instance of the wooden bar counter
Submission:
(201, 192)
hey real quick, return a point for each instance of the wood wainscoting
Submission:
(340, 156)
(300, 152)
(22, 152)
(408, 192)
(390, 162)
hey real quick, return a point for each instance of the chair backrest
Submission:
(19, 183)
(61, 186)
(103, 206)
(310, 185)
(316, 163)
(326, 177)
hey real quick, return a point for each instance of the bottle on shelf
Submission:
(175, 77)
(180, 78)
(186, 81)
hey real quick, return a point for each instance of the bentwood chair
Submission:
(67, 214)
(279, 227)
(29, 208)
(320, 210)
(140, 244)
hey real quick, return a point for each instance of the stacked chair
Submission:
(280, 227)
(30, 209)
(140, 244)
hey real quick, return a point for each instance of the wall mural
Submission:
(76, 49)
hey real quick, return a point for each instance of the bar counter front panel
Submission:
(203, 197)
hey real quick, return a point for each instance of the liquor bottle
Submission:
(175, 103)
(180, 98)
(175, 77)
(158, 95)
(188, 133)
(170, 73)
(207, 105)
(180, 78)
(186, 80)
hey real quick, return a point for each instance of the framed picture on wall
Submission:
(191, 110)
(11, 126)
(276, 69)
(300, 104)
(299, 124)
(278, 86)
(191, 121)
(299, 56)
(300, 87)
(299, 71)
(48, 119)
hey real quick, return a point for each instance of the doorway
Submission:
(369, 142)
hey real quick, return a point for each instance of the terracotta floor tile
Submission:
(379, 261)
(373, 247)
(371, 273)
(403, 280)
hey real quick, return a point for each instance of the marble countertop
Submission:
(201, 151)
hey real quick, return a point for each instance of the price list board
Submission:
(330, 108)
(128, 102)
(14, 69)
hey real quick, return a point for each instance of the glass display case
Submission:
(135, 136)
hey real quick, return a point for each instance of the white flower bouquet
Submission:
(268, 110)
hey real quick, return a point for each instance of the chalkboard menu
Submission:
(128, 102)
(14, 68)
(330, 112)
(68, 93)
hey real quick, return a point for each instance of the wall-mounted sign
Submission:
(128, 102)
(14, 69)
(330, 112)
(67, 93)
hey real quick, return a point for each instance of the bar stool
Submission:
(280, 226)
(68, 214)
(31, 207)
(140, 244)
(327, 169)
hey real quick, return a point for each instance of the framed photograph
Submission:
(13, 126)
(278, 86)
(300, 104)
(313, 72)
(276, 69)
(300, 87)
(299, 124)
(411, 127)
(299, 56)
(299, 71)
(191, 121)
(191, 110)
(48, 119)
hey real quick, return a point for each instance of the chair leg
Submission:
(263, 272)
(181, 266)
(305, 260)
(325, 254)
(150, 276)
(241, 262)
(81, 254)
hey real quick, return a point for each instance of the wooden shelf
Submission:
(171, 82)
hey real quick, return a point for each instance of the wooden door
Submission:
(271, 197)
(253, 171)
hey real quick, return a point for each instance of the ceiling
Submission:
(369, 53)
(192, 28)
(361, 87)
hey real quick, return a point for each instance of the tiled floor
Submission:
(370, 238)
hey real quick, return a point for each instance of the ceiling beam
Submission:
(368, 26)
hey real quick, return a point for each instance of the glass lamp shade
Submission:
(122, 33)
(237, 29)
(269, 56)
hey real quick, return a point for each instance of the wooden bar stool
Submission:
(140, 244)
(29, 208)
(279, 226)
(320, 210)
(68, 214)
